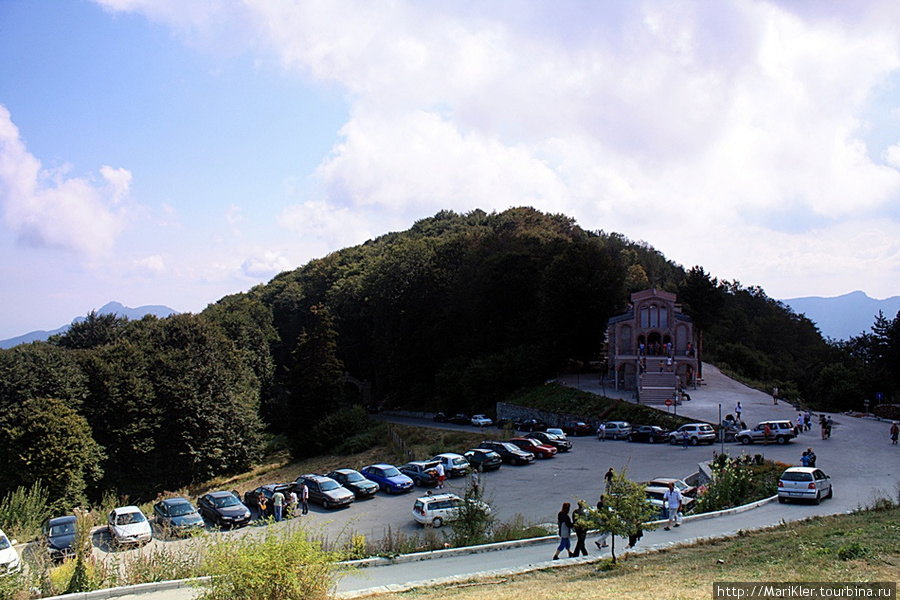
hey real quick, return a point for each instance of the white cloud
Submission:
(150, 265)
(50, 209)
(265, 265)
(728, 134)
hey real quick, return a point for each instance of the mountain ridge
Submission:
(109, 308)
(845, 316)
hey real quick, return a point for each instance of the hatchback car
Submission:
(617, 430)
(455, 465)
(697, 433)
(577, 428)
(460, 419)
(354, 481)
(388, 478)
(510, 453)
(561, 443)
(537, 448)
(177, 515)
(59, 537)
(655, 496)
(223, 509)
(804, 483)
(482, 421)
(482, 459)
(251, 498)
(9, 556)
(128, 525)
(680, 484)
(423, 473)
(325, 491)
(648, 433)
(530, 425)
(779, 431)
(437, 509)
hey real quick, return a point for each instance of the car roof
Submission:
(382, 465)
(433, 497)
(61, 520)
(344, 471)
(126, 509)
(173, 501)
(220, 494)
(448, 455)
(801, 469)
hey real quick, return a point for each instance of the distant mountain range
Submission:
(112, 308)
(843, 317)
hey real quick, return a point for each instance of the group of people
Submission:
(279, 502)
(808, 458)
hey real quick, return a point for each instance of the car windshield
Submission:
(391, 472)
(354, 477)
(4, 543)
(130, 518)
(327, 486)
(459, 461)
(510, 447)
(796, 476)
(181, 509)
(62, 529)
(225, 501)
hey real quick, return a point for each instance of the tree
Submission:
(95, 330)
(45, 439)
(625, 510)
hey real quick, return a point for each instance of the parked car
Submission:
(503, 423)
(697, 433)
(455, 465)
(577, 428)
(388, 478)
(804, 483)
(556, 431)
(655, 497)
(510, 453)
(460, 419)
(423, 473)
(177, 515)
(680, 484)
(58, 536)
(9, 556)
(437, 509)
(481, 421)
(530, 425)
(325, 491)
(223, 509)
(439, 417)
(617, 430)
(561, 443)
(251, 498)
(779, 431)
(128, 525)
(482, 459)
(648, 433)
(535, 447)
(354, 481)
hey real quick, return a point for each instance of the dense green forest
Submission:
(454, 314)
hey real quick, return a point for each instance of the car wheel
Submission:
(781, 440)
(745, 440)
(818, 499)
(672, 440)
(830, 493)
(630, 438)
(694, 441)
(652, 439)
(437, 522)
(782, 499)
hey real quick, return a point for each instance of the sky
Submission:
(173, 152)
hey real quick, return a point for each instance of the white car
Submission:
(437, 509)
(804, 483)
(482, 421)
(128, 525)
(9, 557)
(455, 465)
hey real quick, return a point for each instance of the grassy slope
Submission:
(862, 546)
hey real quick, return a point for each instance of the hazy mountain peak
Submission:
(845, 316)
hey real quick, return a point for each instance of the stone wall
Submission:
(514, 412)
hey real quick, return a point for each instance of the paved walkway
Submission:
(853, 444)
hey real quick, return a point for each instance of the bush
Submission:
(473, 524)
(23, 511)
(738, 481)
(271, 566)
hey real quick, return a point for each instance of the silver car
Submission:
(804, 483)
(617, 430)
(697, 433)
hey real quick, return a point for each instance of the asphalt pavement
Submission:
(859, 458)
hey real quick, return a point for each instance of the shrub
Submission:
(270, 566)
(24, 510)
(473, 523)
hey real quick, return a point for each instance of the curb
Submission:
(141, 588)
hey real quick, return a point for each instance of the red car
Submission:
(578, 428)
(535, 447)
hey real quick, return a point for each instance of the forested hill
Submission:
(454, 314)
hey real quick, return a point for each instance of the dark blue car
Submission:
(388, 477)
(59, 535)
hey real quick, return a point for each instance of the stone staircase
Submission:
(656, 388)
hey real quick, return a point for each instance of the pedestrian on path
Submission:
(441, 475)
(684, 439)
(580, 529)
(609, 478)
(823, 423)
(601, 432)
(294, 500)
(895, 432)
(673, 501)
(604, 535)
(775, 395)
(738, 409)
(278, 505)
(564, 522)
(304, 499)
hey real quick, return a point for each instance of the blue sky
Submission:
(172, 152)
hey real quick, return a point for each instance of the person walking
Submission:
(278, 504)
(580, 529)
(767, 431)
(673, 501)
(738, 409)
(564, 522)
(811, 457)
(823, 424)
(441, 475)
(293, 501)
(601, 432)
(476, 482)
(304, 498)
(829, 423)
(775, 395)
(895, 432)
(609, 478)
(636, 534)
(604, 535)
(684, 439)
